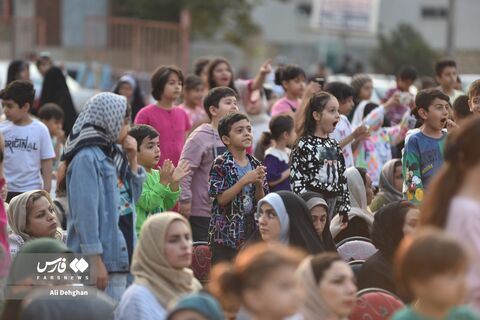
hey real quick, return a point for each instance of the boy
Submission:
(446, 76)
(202, 147)
(423, 154)
(237, 183)
(52, 116)
(161, 188)
(474, 97)
(28, 148)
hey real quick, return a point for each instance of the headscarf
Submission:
(327, 239)
(358, 201)
(18, 215)
(55, 89)
(277, 204)
(14, 69)
(387, 177)
(150, 267)
(137, 102)
(202, 303)
(99, 124)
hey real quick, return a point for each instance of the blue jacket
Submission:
(94, 203)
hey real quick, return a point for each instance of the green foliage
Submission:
(404, 46)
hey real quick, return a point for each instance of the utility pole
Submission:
(450, 49)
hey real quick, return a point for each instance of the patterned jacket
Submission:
(230, 225)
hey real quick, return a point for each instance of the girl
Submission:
(283, 217)
(262, 280)
(172, 123)
(128, 87)
(160, 265)
(362, 85)
(317, 162)
(329, 285)
(18, 70)
(292, 79)
(277, 156)
(192, 100)
(391, 181)
(432, 268)
(31, 215)
(453, 200)
(391, 223)
(360, 220)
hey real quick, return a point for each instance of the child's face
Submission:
(474, 104)
(226, 105)
(126, 90)
(448, 78)
(222, 75)
(178, 247)
(319, 218)
(437, 114)
(329, 117)
(337, 288)
(295, 87)
(124, 131)
(41, 220)
(346, 106)
(278, 296)
(54, 126)
(149, 153)
(268, 223)
(187, 315)
(411, 221)
(13, 112)
(404, 84)
(240, 135)
(173, 88)
(366, 91)
(194, 96)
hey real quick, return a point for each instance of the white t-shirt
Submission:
(25, 147)
(342, 130)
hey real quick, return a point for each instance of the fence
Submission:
(20, 36)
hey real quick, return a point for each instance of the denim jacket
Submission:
(94, 203)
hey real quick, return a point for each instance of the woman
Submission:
(329, 286)
(360, 220)
(391, 223)
(160, 265)
(391, 180)
(128, 87)
(18, 70)
(31, 215)
(284, 217)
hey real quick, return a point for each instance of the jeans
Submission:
(117, 284)
(200, 228)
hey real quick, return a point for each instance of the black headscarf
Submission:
(14, 69)
(55, 90)
(327, 239)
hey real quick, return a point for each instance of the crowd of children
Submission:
(140, 188)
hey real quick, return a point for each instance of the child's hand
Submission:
(254, 176)
(61, 136)
(312, 88)
(361, 133)
(266, 67)
(130, 148)
(166, 172)
(450, 124)
(393, 101)
(181, 170)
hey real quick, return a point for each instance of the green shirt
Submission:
(459, 313)
(155, 198)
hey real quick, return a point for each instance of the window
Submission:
(434, 12)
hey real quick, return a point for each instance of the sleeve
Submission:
(375, 118)
(142, 116)
(398, 132)
(272, 163)
(83, 182)
(218, 183)
(46, 146)
(136, 181)
(343, 200)
(299, 174)
(412, 175)
(193, 153)
(155, 194)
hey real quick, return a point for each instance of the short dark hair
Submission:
(199, 65)
(51, 111)
(424, 98)
(20, 91)
(141, 131)
(215, 95)
(288, 72)
(226, 123)
(340, 90)
(474, 89)
(461, 110)
(407, 73)
(192, 82)
(160, 77)
(442, 64)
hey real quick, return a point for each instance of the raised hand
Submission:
(266, 67)
(182, 170)
(166, 172)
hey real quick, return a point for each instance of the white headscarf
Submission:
(277, 204)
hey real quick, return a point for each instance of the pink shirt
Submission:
(464, 224)
(172, 125)
(284, 105)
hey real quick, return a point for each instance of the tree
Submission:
(404, 46)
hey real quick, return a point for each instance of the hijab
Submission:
(55, 89)
(14, 68)
(99, 124)
(387, 177)
(150, 267)
(18, 215)
(136, 101)
(200, 302)
(277, 204)
(327, 239)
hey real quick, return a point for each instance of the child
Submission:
(262, 280)
(423, 153)
(362, 85)
(432, 268)
(128, 87)
(317, 162)
(461, 109)
(52, 116)
(94, 165)
(161, 188)
(446, 76)
(282, 132)
(202, 147)
(346, 137)
(28, 148)
(192, 100)
(474, 97)
(292, 79)
(171, 123)
(237, 183)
